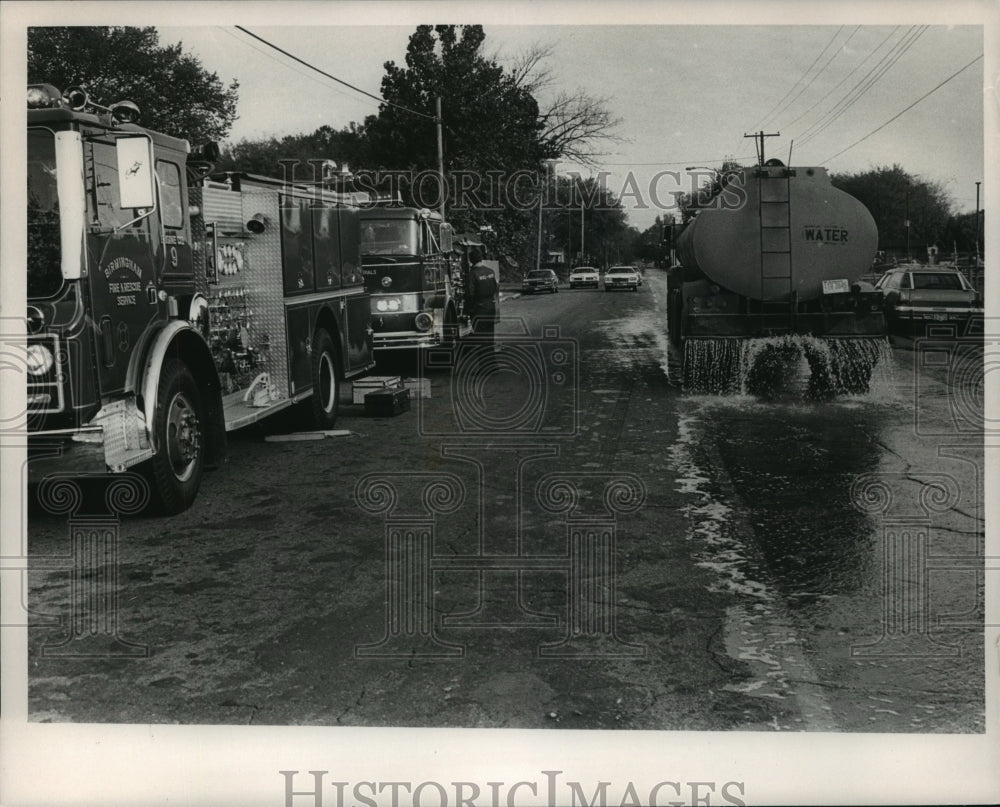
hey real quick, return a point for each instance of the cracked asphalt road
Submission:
(615, 554)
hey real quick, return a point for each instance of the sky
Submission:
(685, 95)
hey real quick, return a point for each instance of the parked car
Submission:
(621, 277)
(915, 296)
(584, 276)
(539, 280)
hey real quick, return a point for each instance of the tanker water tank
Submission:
(774, 230)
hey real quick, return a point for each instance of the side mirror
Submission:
(135, 172)
(447, 235)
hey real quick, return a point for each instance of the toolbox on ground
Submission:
(384, 403)
(363, 386)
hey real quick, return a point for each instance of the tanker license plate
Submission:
(839, 286)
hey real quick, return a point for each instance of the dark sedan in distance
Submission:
(540, 280)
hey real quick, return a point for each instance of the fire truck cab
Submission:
(164, 309)
(416, 280)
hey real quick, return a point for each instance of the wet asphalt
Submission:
(560, 536)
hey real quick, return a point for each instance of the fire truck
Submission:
(166, 308)
(417, 274)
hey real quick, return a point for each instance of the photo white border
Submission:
(56, 764)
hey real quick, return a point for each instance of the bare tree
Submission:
(574, 123)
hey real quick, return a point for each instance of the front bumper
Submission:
(401, 340)
(817, 324)
(936, 313)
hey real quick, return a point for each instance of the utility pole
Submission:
(759, 143)
(906, 221)
(569, 230)
(443, 184)
(583, 250)
(977, 224)
(542, 190)
(538, 253)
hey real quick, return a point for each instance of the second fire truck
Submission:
(417, 271)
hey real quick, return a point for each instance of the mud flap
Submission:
(126, 441)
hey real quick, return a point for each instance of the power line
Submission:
(767, 115)
(869, 80)
(855, 70)
(898, 114)
(687, 162)
(819, 72)
(273, 58)
(865, 83)
(332, 77)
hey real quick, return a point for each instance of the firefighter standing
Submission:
(485, 298)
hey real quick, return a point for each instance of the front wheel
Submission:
(324, 402)
(174, 472)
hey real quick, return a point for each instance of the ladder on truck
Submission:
(776, 282)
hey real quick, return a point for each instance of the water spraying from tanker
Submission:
(790, 365)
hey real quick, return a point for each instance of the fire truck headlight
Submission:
(39, 359)
(388, 304)
(42, 96)
(423, 321)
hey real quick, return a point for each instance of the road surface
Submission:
(559, 536)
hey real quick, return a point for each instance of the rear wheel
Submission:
(324, 402)
(174, 472)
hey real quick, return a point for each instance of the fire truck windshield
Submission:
(390, 237)
(44, 275)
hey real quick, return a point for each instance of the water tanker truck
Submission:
(771, 270)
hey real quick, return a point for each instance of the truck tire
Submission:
(324, 401)
(674, 304)
(174, 472)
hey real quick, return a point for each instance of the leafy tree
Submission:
(607, 235)
(489, 123)
(961, 233)
(891, 196)
(653, 243)
(174, 93)
(346, 148)
(690, 203)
